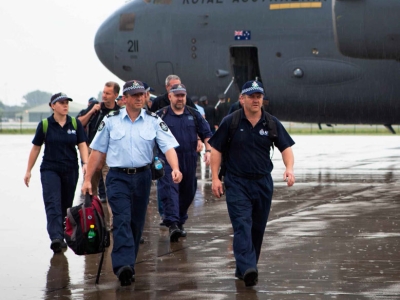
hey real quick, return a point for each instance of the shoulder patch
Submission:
(101, 126)
(113, 113)
(164, 126)
(150, 113)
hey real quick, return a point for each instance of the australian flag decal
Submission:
(242, 35)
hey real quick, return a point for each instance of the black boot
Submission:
(183, 231)
(174, 233)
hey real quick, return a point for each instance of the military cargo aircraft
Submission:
(321, 61)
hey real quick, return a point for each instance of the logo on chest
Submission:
(71, 131)
(263, 132)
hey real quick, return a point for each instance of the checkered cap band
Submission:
(136, 87)
(254, 90)
(60, 98)
(178, 90)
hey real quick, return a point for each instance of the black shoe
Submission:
(174, 233)
(162, 224)
(250, 277)
(56, 245)
(64, 245)
(103, 200)
(183, 231)
(141, 240)
(125, 276)
(238, 276)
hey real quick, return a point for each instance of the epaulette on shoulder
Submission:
(150, 113)
(113, 113)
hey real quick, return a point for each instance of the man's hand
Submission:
(288, 176)
(176, 176)
(217, 188)
(27, 178)
(86, 187)
(95, 108)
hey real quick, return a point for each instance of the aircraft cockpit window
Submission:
(126, 22)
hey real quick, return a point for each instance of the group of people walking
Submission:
(122, 145)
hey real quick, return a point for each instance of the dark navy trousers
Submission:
(176, 198)
(249, 204)
(58, 195)
(128, 196)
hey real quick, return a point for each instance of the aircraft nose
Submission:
(104, 43)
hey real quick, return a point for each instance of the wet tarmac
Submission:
(334, 235)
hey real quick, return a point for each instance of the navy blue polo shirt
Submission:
(249, 151)
(183, 127)
(60, 144)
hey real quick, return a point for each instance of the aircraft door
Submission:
(245, 66)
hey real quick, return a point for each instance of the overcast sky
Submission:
(48, 45)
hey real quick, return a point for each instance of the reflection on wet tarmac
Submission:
(334, 235)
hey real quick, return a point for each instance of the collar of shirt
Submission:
(52, 120)
(124, 114)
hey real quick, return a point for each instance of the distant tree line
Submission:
(32, 99)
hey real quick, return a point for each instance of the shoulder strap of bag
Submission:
(45, 126)
(74, 124)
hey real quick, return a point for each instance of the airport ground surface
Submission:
(334, 235)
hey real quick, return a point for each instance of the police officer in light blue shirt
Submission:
(126, 139)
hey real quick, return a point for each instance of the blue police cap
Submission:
(134, 87)
(251, 87)
(178, 89)
(59, 97)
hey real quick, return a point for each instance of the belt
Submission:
(130, 170)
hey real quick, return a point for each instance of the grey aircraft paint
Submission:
(291, 46)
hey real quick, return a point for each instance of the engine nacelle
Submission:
(367, 28)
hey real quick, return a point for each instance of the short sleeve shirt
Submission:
(249, 150)
(184, 128)
(60, 152)
(130, 144)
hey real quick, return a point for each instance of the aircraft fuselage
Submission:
(290, 49)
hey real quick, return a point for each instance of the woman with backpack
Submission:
(59, 169)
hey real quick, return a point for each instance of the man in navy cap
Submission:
(163, 100)
(245, 153)
(126, 138)
(187, 125)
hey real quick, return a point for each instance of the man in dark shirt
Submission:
(187, 125)
(247, 179)
(91, 118)
(163, 100)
